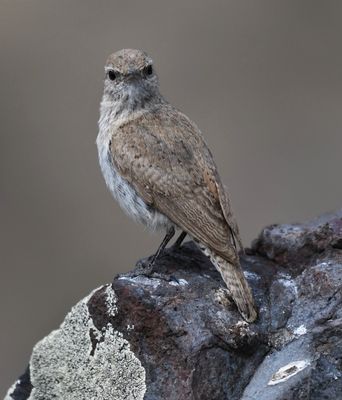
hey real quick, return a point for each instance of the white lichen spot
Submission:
(242, 324)
(111, 300)
(179, 282)
(323, 264)
(142, 280)
(288, 371)
(284, 275)
(300, 330)
(251, 275)
(290, 284)
(65, 365)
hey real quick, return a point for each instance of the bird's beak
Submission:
(132, 77)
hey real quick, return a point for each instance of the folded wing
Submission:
(164, 157)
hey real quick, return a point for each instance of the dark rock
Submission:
(297, 244)
(182, 338)
(23, 387)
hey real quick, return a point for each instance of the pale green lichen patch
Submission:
(63, 365)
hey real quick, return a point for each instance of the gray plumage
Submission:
(159, 168)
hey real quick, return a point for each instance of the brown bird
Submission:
(160, 170)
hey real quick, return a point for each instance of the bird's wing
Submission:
(164, 157)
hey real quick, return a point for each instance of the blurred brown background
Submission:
(262, 79)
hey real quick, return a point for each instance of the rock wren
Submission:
(158, 167)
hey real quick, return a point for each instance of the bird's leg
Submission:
(180, 239)
(169, 235)
(145, 267)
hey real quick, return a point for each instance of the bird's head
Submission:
(130, 77)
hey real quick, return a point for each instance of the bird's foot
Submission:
(146, 268)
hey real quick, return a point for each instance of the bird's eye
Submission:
(149, 70)
(111, 75)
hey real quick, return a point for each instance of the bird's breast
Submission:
(124, 192)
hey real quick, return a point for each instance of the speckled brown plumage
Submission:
(162, 158)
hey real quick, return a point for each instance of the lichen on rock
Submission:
(65, 366)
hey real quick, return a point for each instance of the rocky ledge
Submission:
(177, 335)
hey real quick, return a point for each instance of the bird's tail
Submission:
(237, 285)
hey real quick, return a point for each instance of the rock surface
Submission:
(182, 338)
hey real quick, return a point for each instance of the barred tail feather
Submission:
(237, 285)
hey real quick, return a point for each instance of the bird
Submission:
(160, 170)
